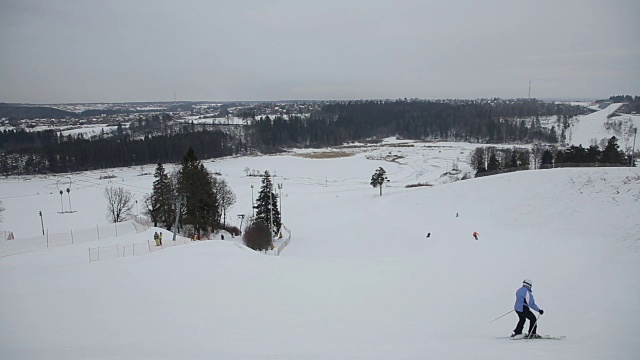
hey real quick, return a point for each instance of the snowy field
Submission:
(359, 279)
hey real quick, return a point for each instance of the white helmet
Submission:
(527, 282)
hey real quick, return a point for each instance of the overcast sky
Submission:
(57, 51)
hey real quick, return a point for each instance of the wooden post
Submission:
(98, 229)
(47, 238)
(116, 224)
(71, 236)
(149, 245)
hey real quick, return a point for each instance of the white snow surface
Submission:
(359, 279)
(591, 129)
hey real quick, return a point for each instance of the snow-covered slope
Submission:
(359, 279)
(591, 129)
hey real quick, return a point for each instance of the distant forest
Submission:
(497, 121)
(154, 139)
(633, 102)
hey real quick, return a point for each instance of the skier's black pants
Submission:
(522, 317)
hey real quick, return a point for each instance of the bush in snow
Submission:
(257, 236)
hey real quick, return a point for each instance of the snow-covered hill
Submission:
(596, 128)
(359, 279)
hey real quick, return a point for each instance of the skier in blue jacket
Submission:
(524, 301)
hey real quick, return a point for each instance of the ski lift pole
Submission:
(501, 316)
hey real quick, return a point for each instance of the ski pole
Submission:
(535, 323)
(501, 316)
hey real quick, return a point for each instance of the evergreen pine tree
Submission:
(523, 158)
(559, 158)
(493, 164)
(514, 159)
(547, 159)
(267, 205)
(593, 154)
(611, 154)
(200, 206)
(161, 204)
(479, 163)
(379, 178)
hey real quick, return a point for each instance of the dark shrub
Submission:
(257, 236)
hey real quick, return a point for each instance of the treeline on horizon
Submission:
(62, 154)
(496, 121)
(632, 102)
(150, 140)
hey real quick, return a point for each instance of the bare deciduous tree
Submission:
(119, 204)
(226, 197)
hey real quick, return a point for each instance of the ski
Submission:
(542, 337)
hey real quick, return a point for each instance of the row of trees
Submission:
(491, 160)
(633, 102)
(481, 121)
(52, 153)
(487, 160)
(610, 155)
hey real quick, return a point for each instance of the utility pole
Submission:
(178, 208)
(529, 89)
(633, 150)
(271, 211)
(252, 206)
(280, 188)
(41, 221)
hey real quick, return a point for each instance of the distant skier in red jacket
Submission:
(475, 235)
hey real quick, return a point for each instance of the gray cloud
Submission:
(137, 50)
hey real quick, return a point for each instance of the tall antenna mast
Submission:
(529, 89)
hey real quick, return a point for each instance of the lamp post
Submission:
(252, 207)
(178, 209)
(241, 217)
(41, 221)
(635, 133)
(271, 210)
(280, 188)
(61, 204)
(69, 195)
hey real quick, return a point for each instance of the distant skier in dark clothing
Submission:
(524, 301)
(429, 235)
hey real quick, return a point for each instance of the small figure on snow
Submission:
(221, 236)
(475, 235)
(456, 214)
(155, 238)
(524, 301)
(428, 235)
(160, 238)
